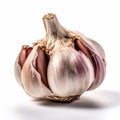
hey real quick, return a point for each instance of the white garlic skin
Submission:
(61, 66)
(70, 72)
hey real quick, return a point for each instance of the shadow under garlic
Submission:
(92, 107)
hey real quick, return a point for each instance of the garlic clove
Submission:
(97, 57)
(24, 54)
(98, 63)
(31, 79)
(42, 63)
(25, 51)
(70, 72)
(99, 70)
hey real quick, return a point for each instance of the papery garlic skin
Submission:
(62, 65)
(31, 79)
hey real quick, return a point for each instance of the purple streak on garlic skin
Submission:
(31, 78)
(42, 64)
(70, 72)
(97, 62)
(82, 59)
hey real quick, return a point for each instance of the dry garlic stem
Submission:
(62, 65)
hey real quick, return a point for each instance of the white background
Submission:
(21, 23)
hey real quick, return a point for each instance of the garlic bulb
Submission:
(62, 65)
